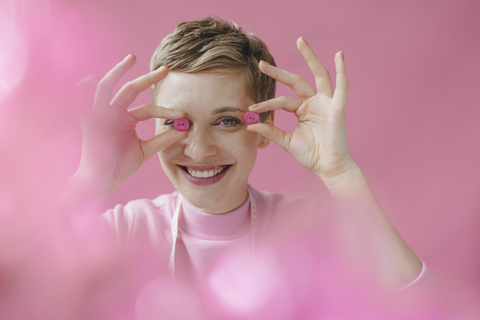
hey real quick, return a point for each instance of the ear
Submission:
(265, 141)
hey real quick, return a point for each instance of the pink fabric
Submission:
(424, 282)
(422, 296)
(207, 237)
(203, 238)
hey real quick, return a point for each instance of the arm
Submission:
(319, 143)
(392, 260)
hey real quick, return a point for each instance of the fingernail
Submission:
(178, 111)
(255, 106)
(343, 57)
(129, 55)
(305, 40)
(262, 61)
(159, 69)
(90, 78)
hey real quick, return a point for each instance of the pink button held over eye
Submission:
(181, 124)
(251, 117)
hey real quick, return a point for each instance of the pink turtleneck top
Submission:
(203, 239)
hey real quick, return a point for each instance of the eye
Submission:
(168, 123)
(229, 122)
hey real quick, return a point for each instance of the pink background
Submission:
(412, 117)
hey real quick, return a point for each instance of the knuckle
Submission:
(146, 150)
(325, 76)
(297, 81)
(151, 79)
(285, 143)
(286, 101)
(274, 72)
(129, 87)
(103, 84)
(147, 108)
(136, 113)
(309, 57)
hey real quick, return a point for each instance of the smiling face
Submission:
(211, 166)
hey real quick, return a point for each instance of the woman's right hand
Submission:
(111, 150)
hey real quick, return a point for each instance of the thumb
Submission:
(161, 141)
(271, 132)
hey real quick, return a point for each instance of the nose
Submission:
(200, 144)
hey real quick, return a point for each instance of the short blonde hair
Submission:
(217, 46)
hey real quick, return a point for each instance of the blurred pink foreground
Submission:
(57, 264)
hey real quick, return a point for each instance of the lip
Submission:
(204, 181)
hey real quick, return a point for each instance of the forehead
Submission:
(180, 89)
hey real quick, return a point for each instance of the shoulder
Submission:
(141, 216)
(278, 203)
(142, 207)
(422, 296)
(278, 213)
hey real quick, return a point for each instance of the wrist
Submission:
(348, 183)
(341, 172)
(91, 185)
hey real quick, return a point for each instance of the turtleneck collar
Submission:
(224, 226)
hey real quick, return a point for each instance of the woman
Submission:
(212, 73)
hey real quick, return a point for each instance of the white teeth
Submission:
(206, 173)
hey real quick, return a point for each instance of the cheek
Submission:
(251, 140)
(174, 151)
(170, 151)
(242, 144)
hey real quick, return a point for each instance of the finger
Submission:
(129, 92)
(84, 92)
(107, 84)
(341, 88)
(161, 142)
(88, 82)
(273, 133)
(322, 77)
(148, 111)
(286, 103)
(296, 83)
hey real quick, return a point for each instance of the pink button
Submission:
(181, 124)
(251, 117)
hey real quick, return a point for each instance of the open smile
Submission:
(204, 175)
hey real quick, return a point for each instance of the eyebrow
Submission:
(227, 109)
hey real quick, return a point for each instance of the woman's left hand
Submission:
(319, 142)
